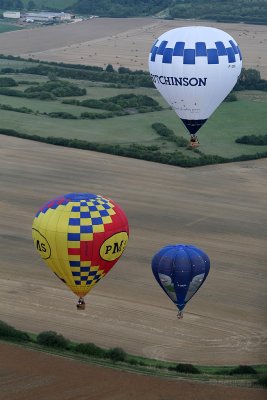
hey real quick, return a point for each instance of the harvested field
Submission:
(221, 209)
(27, 375)
(122, 42)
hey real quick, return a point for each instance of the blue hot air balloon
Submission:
(180, 270)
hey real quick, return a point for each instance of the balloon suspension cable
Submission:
(180, 315)
(81, 304)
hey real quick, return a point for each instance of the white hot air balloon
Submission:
(194, 68)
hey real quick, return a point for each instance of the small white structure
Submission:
(11, 14)
(48, 16)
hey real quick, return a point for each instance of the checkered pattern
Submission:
(87, 217)
(190, 56)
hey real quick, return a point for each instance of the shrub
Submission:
(185, 368)
(8, 332)
(62, 114)
(90, 349)
(116, 354)
(262, 380)
(257, 140)
(243, 370)
(231, 97)
(7, 82)
(52, 339)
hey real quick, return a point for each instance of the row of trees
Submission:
(250, 79)
(141, 152)
(57, 342)
(250, 11)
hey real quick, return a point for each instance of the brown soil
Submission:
(221, 209)
(26, 375)
(122, 42)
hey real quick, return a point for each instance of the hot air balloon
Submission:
(80, 236)
(194, 68)
(180, 270)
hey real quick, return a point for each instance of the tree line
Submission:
(56, 342)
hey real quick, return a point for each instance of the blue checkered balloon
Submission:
(194, 68)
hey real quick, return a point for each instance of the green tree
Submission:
(31, 5)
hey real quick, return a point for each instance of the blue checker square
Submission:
(92, 208)
(213, 56)
(86, 229)
(77, 282)
(106, 206)
(162, 46)
(84, 278)
(85, 269)
(189, 56)
(231, 54)
(75, 209)
(179, 49)
(73, 237)
(85, 214)
(233, 46)
(201, 49)
(104, 213)
(167, 56)
(76, 273)
(97, 221)
(92, 273)
(75, 263)
(74, 221)
(221, 49)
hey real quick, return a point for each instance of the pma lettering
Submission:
(173, 81)
(116, 247)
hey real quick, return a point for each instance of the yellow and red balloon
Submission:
(80, 236)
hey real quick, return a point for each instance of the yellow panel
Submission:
(63, 222)
(86, 264)
(87, 236)
(74, 244)
(75, 214)
(73, 229)
(98, 228)
(86, 221)
(95, 214)
(84, 208)
(106, 220)
(61, 246)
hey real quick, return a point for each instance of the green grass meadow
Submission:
(5, 27)
(231, 120)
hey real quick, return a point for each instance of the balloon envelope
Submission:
(194, 68)
(80, 236)
(180, 270)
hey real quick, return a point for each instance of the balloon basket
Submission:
(180, 315)
(193, 144)
(81, 304)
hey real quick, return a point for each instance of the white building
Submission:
(11, 14)
(48, 16)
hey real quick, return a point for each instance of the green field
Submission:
(4, 27)
(231, 120)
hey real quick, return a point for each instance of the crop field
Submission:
(246, 116)
(219, 208)
(126, 42)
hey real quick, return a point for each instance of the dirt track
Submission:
(221, 209)
(122, 42)
(29, 375)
